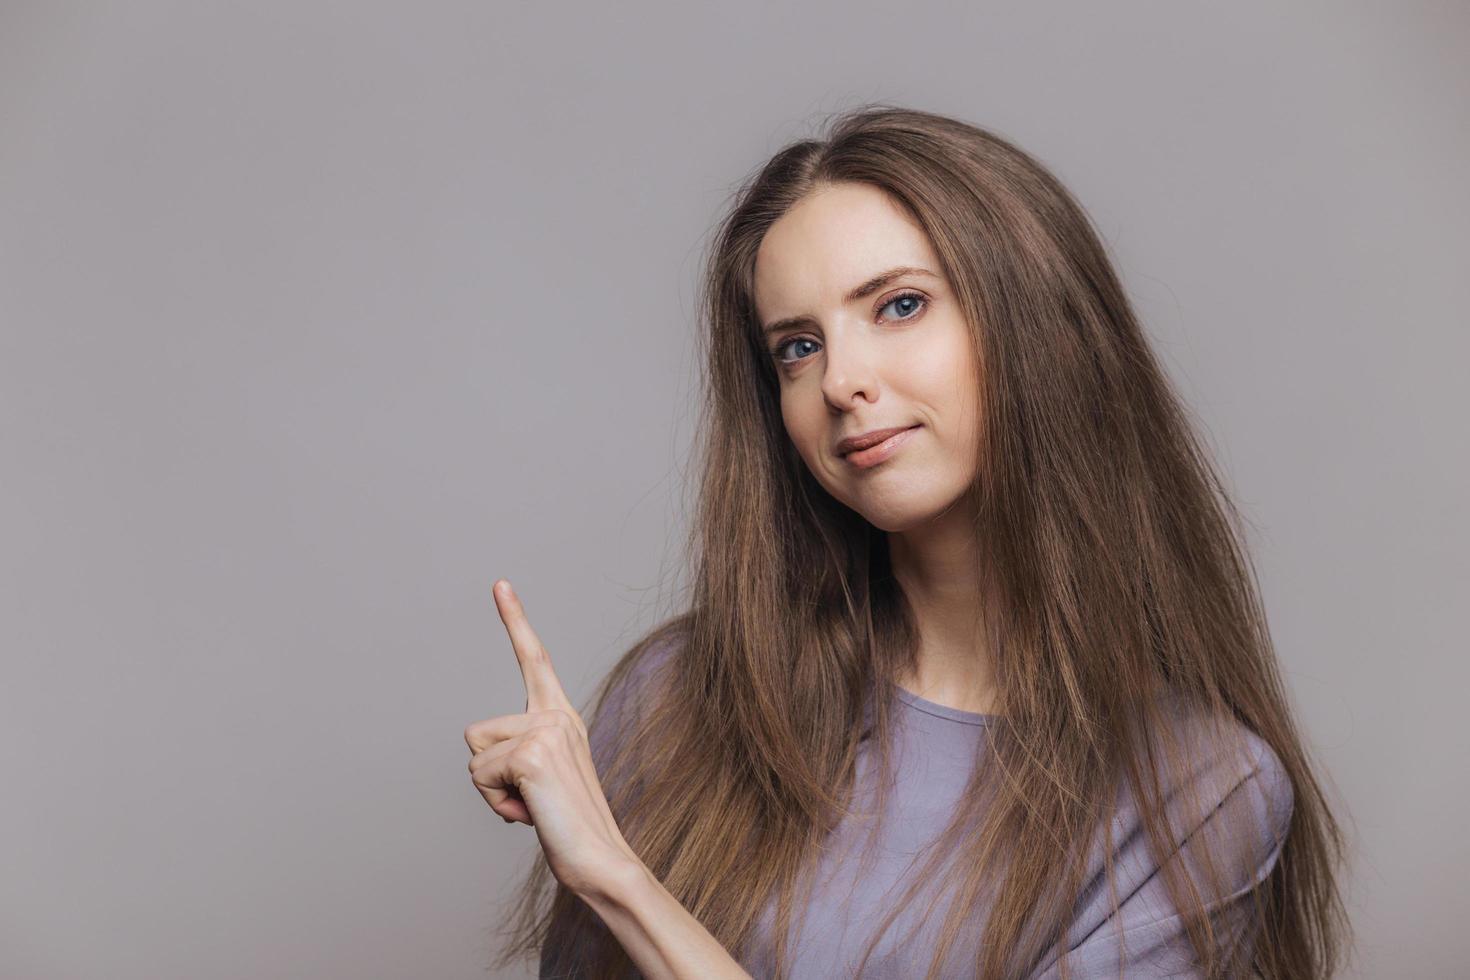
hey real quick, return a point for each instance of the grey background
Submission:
(318, 318)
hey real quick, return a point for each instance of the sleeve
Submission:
(1145, 937)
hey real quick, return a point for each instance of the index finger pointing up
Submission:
(543, 690)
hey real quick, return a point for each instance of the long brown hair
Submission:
(1116, 571)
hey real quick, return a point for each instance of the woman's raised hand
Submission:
(536, 768)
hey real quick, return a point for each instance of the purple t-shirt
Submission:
(935, 748)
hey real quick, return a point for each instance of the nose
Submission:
(849, 370)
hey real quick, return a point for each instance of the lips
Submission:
(866, 459)
(867, 439)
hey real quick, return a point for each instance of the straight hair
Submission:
(1118, 598)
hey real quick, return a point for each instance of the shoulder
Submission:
(1224, 800)
(632, 687)
(1218, 773)
(1226, 748)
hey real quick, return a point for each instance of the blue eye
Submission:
(905, 296)
(919, 302)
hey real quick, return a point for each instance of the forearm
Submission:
(662, 938)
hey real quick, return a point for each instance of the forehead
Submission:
(831, 240)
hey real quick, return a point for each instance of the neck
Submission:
(938, 567)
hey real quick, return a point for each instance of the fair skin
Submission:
(536, 768)
(849, 366)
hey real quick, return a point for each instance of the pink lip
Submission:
(873, 455)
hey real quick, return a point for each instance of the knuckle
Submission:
(532, 753)
(477, 733)
(568, 719)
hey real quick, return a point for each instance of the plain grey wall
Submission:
(318, 318)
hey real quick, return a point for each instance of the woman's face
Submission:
(894, 354)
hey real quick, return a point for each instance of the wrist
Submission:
(660, 936)
(615, 882)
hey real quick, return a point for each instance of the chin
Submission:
(897, 509)
(900, 516)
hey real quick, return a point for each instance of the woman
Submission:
(974, 680)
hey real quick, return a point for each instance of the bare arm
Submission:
(538, 768)
(664, 941)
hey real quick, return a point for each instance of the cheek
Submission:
(805, 425)
(792, 418)
(969, 407)
(949, 378)
(944, 374)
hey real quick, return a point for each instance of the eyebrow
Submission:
(858, 292)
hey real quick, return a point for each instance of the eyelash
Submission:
(906, 294)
